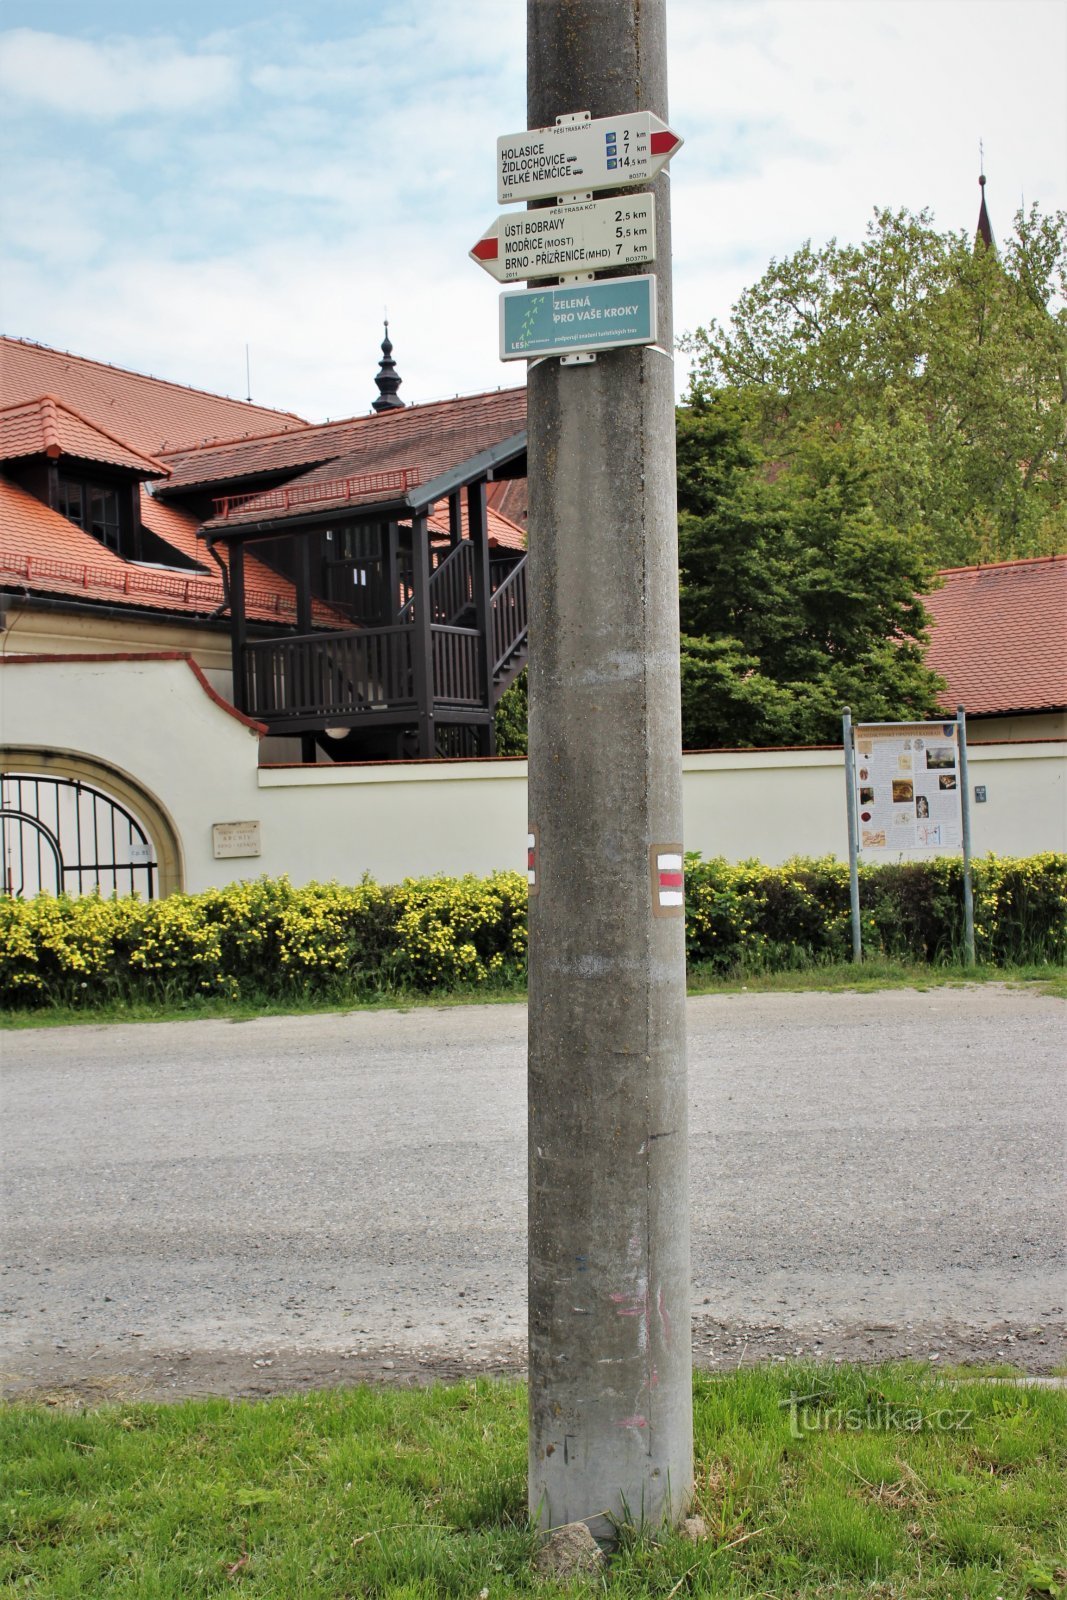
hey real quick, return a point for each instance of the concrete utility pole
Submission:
(610, 1352)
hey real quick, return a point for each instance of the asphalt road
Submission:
(871, 1174)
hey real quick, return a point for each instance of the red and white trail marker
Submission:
(668, 880)
(532, 863)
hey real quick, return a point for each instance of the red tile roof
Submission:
(124, 418)
(428, 438)
(509, 496)
(1000, 636)
(181, 529)
(45, 426)
(176, 526)
(28, 528)
(503, 534)
(42, 551)
(301, 494)
(146, 413)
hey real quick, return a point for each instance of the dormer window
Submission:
(94, 507)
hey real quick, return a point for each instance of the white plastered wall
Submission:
(1026, 725)
(37, 631)
(154, 721)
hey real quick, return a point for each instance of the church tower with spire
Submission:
(984, 231)
(387, 379)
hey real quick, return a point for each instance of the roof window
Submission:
(95, 508)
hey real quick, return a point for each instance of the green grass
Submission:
(879, 973)
(871, 975)
(252, 1007)
(371, 1492)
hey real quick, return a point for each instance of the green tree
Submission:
(509, 719)
(796, 598)
(943, 365)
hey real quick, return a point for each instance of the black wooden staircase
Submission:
(363, 679)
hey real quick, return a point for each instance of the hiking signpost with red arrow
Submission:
(554, 240)
(582, 154)
(578, 236)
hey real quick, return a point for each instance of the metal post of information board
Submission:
(853, 839)
(965, 804)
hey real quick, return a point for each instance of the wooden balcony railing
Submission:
(457, 674)
(509, 616)
(451, 585)
(339, 675)
(329, 673)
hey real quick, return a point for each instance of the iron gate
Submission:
(59, 835)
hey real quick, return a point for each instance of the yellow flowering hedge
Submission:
(267, 939)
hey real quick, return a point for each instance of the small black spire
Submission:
(984, 231)
(387, 380)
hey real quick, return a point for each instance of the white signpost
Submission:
(574, 156)
(588, 237)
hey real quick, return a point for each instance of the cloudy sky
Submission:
(180, 180)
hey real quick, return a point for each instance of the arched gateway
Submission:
(71, 824)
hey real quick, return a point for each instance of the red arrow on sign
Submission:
(661, 144)
(592, 233)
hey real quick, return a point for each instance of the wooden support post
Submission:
(478, 529)
(392, 573)
(455, 518)
(133, 513)
(238, 624)
(422, 642)
(303, 582)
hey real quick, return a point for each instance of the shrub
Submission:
(268, 940)
(745, 915)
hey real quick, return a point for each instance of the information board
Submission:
(909, 789)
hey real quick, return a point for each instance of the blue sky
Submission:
(182, 180)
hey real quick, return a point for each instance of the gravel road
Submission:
(243, 1207)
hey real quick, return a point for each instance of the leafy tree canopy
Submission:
(942, 365)
(796, 597)
(510, 719)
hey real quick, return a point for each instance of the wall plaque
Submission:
(235, 839)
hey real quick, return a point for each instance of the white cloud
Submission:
(407, 55)
(116, 78)
(57, 211)
(802, 116)
(355, 168)
(311, 313)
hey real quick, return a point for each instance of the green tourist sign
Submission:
(580, 316)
